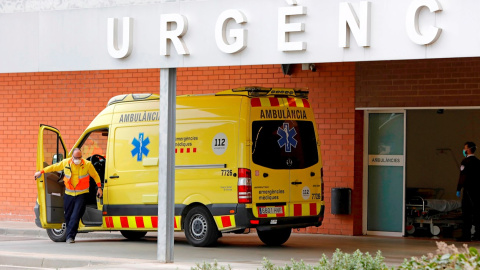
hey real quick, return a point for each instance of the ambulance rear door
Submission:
(50, 187)
(305, 172)
(285, 160)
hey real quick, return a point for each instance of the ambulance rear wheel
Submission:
(274, 237)
(58, 235)
(200, 228)
(133, 235)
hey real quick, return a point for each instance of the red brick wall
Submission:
(70, 100)
(66, 100)
(418, 83)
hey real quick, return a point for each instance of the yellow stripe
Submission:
(305, 209)
(179, 225)
(232, 220)
(116, 222)
(147, 222)
(132, 223)
(218, 220)
(265, 102)
(299, 102)
(282, 102)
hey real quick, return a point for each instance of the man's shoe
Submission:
(70, 241)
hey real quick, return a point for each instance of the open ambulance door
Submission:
(50, 186)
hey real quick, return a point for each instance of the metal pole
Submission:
(166, 166)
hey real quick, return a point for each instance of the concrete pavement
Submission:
(25, 245)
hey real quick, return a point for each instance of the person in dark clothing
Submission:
(469, 180)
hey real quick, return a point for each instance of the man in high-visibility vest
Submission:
(77, 182)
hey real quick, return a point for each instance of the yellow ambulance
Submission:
(245, 158)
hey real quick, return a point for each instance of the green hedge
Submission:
(446, 257)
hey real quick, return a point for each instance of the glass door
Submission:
(385, 145)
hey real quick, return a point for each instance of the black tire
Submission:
(274, 237)
(58, 235)
(200, 228)
(133, 235)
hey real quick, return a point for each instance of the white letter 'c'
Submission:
(432, 33)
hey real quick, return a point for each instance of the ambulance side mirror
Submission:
(57, 158)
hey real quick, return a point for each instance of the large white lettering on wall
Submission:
(432, 33)
(285, 28)
(350, 22)
(112, 39)
(198, 33)
(175, 35)
(240, 35)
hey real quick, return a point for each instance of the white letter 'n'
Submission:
(127, 44)
(359, 26)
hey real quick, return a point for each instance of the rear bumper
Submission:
(244, 218)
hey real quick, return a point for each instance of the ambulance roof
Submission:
(258, 91)
(249, 91)
(132, 97)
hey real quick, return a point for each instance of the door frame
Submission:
(365, 230)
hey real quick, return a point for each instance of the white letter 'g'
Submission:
(240, 35)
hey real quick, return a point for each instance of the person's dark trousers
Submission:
(476, 219)
(467, 216)
(74, 207)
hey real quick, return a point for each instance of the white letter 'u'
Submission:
(127, 44)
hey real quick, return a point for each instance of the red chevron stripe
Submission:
(139, 221)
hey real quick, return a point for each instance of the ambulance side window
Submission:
(95, 143)
(94, 149)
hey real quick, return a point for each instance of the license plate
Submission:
(270, 210)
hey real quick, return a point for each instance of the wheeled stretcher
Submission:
(435, 213)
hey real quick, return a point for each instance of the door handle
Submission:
(114, 176)
(296, 183)
(312, 174)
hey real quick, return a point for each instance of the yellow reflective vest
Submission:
(77, 177)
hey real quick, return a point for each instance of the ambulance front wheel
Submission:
(200, 228)
(274, 237)
(58, 235)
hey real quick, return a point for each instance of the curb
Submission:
(20, 259)
(42, 233)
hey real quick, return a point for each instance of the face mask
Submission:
(464, 153)
(77, 161)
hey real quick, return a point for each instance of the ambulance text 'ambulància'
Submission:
(245, 158)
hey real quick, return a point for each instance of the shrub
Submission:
(209, 266)
(448, 257)
(339, 261)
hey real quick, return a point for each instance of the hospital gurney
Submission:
(434, 213)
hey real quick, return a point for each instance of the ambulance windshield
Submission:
(284, 144)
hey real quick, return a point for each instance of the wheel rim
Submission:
(59, 232)
(198, 227)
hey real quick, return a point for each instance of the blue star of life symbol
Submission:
(140, 146)
(286, 137)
